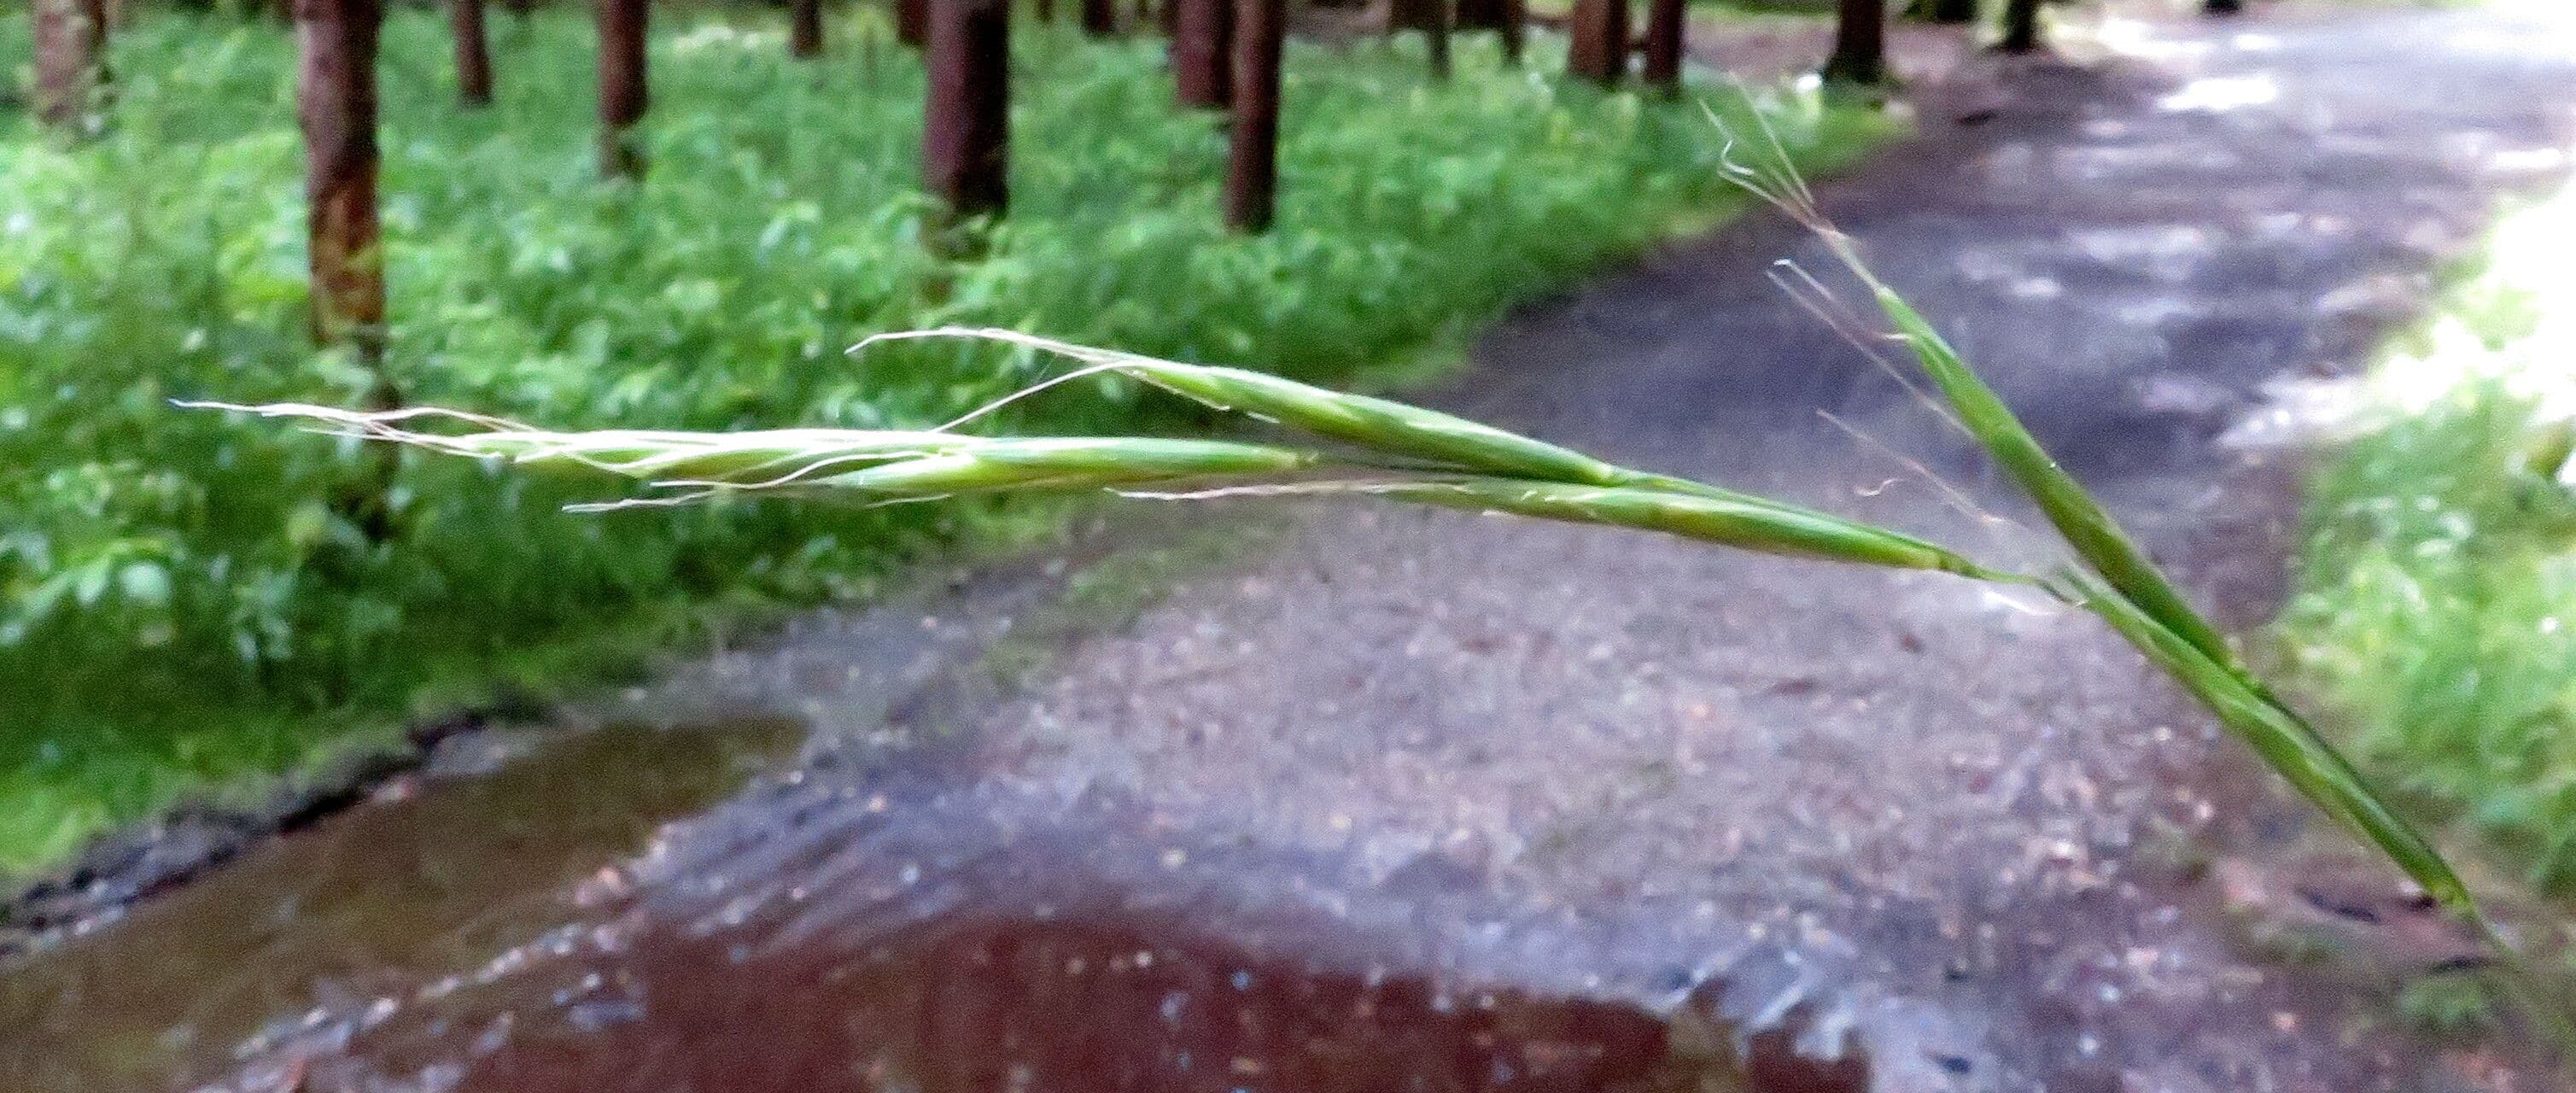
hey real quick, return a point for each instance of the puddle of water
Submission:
(429, 877)
(975, 1003)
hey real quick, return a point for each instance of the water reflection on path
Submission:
(430, 879)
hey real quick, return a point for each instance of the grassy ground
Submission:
(185, 606)
(2438, 584)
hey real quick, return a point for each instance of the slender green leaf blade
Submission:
(2287, 743)
(1746, 523)
(2086, 526)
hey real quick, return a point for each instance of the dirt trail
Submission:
(1388, 798)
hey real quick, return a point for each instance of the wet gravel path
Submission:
(1921, 811)
(1514, 804)
(1936, 817)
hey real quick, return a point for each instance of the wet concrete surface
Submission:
(1384, 799)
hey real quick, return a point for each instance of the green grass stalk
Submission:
(1412, 454)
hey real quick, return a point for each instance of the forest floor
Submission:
(1330, 796)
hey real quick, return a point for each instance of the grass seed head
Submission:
(1379, 425)
(2288, 744)
(2082, 521)
(1753, 524)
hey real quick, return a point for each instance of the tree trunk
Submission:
(1943, 11)
(69, 36)
(1203, 53)
(912, 22)
(1436, 38)
(1598, 51)
(622, 95)
(1666, 21)
(1100, 17)
(2021, 27)
(1432, 18)
(1252, 162)
(473, 53)
(1860, 44)
(965, 143)
(2223, 7)
(103, 15)
(805, 29)
(1508, 18)
(1046, 11)
(335, 104)
(335, 107)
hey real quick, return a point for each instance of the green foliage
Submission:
(2435, 592)
(183, 602)
(2438, 581)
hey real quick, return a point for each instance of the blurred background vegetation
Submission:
(2437, 574)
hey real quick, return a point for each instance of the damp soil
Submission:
(1370, 798)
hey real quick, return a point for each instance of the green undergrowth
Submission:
(2436, 597)
(187, 606)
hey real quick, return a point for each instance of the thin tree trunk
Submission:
(1432, 18)
(1145, 13)
(1598, 51)
(622, 84)
(335, 107)
(1436, 38)
(335, 100)
(104, 15)
(1860, 44)
(2021, 27)
(1666, 21)
(1046, 11)
(1100, 17)
(1506, 18)
(1203, 53)
(965, 144)
(2223, 7)
(1252, 161)
(805, 29)
(912, 22)
(69, 35)
(473, 53)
